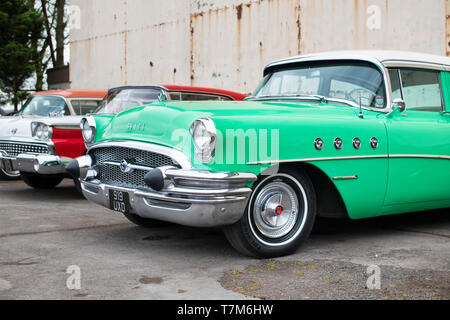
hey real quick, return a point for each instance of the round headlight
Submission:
(40, 131)
(88, 130)
(45, 132)
(204, 136)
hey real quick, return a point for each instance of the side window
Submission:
(421, 90)
(198, 97)
(175, 96)
(83, 107)
(395, 84)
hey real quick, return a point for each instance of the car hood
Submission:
(20, 126)
(162, 123)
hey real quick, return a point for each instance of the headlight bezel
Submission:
(41, 131)
(88, 124)
(204, 151)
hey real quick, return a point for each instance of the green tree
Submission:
(21, 28)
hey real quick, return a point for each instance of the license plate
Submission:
(119, 201)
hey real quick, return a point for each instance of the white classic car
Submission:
(38, 141)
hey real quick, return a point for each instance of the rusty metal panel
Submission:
(231, 43)
(226, 43)
(447, 26)
(412, 25)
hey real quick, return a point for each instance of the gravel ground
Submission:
(43, 232)
(325, 280)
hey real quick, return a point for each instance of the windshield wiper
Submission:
(319, 98)
(292, 96)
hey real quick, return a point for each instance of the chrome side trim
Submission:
(352, 158)
(345, 178)
(318, 159)
(424, 156)
(176, 155)
(413, 64)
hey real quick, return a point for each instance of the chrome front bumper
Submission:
(189, 197)
(32, 163)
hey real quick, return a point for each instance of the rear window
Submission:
(83, 107)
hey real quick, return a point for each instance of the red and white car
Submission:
(39, 142)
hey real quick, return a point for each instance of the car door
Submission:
(419, 140)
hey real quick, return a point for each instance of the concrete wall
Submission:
(227, 43)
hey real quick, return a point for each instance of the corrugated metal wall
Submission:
(226, 43)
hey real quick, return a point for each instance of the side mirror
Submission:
(400, 104)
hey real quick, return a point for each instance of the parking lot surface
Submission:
(47, 234)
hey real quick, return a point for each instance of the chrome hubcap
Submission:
(276, 210)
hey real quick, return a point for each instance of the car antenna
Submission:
(361, 116)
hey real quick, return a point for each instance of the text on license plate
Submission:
(119, 201)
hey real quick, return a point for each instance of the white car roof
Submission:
(384, 57)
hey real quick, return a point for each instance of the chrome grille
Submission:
(112, 174)
(14, 149)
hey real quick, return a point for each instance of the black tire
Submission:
(7, 176)
(145, 222)
(247, 235)
(42, 181)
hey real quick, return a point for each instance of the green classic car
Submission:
(344, 134)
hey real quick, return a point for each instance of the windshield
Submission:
(351, 81)
(123, 99)
(45, 106)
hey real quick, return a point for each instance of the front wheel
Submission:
(279, 216)
(42, 181)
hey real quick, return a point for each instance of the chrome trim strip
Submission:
(345, 178)
(176, 155)
(352, 158)
(66, 127)
(424, 156)
(413, 64)
(129, 165)
(317, 159)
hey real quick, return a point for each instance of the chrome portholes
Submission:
(338, 143)
(318, 144)
(357, 143)
(374, 143)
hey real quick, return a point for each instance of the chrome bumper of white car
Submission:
(33, 163)
(186, 197)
